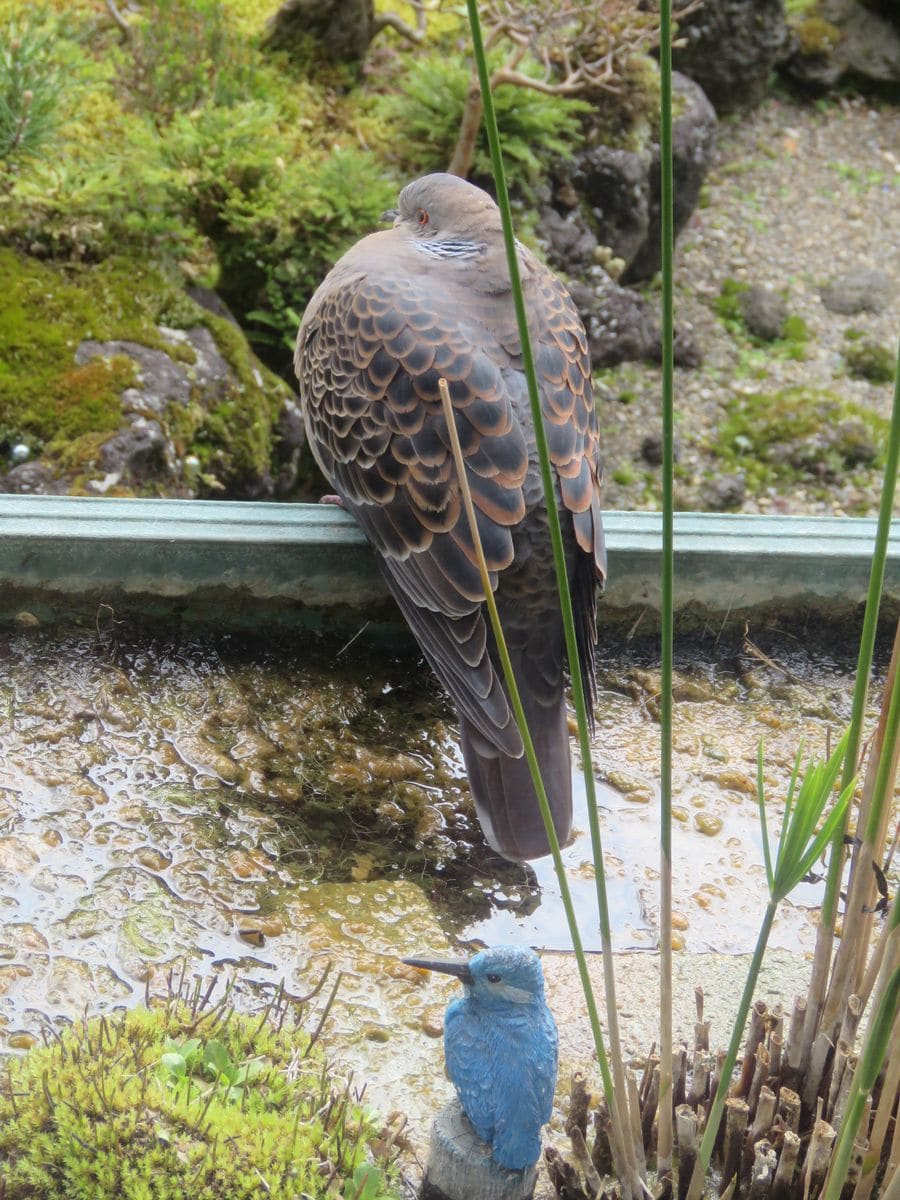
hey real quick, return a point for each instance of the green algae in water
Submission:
(183, 1099)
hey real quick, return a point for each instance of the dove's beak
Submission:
(390, 214)
(459, 969)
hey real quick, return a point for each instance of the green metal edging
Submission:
(68, 549)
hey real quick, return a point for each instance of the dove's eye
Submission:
(492, 977)
(422, 217)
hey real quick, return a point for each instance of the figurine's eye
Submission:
(422, 217)
(493, 977)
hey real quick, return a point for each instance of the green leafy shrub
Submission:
(183, 1100)
(182, 54)
(30, 89)
(427, 111)
(275, 246)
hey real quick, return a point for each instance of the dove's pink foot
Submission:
(330, 499)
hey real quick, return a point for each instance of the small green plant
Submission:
(790, 344)
(30, 89)
(180, 1061)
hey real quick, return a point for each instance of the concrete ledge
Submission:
(262, 562)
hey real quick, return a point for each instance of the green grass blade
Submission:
(763, 824)
(789, 801)
(815, 790)
(834, 820)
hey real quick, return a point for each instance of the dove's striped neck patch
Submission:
(449, 249)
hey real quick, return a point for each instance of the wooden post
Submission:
(460, 1166)
(818, 1156)
(699, 1079)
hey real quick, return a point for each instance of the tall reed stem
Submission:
(617, 1097)
(664, 1138)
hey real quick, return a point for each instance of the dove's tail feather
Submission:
(504, 795)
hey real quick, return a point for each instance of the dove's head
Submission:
(497, 977)
(445, 208)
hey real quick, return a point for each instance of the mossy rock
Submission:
(868, 360)
(183, 1099)
(816, 36)
(117, 381)
(800, 435)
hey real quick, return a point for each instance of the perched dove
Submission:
(430, 298)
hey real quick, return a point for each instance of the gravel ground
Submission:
(798, 194)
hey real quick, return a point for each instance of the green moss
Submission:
(624, 476)
(727, 304)
(794, 330)
(47, 309)
(868, 360)
(177, 1101)
(799, 435)
(817, 37)
(629, 118)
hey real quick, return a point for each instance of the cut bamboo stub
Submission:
(787, 1162)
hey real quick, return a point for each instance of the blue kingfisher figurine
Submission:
(500, 1046)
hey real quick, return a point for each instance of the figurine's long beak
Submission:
(459, 969)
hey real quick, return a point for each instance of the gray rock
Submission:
(139, 453)
(652, 449)
(213, 303)
(32, 479)
(342, 28)
(866, 47)
(863, 289)
(730, 48)
(725, 494)
(143, 450)
(291, 433)
(622, 327)
(610, 197)
(570, 243)
(614, 186)
(764, 312)
(694, 132)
